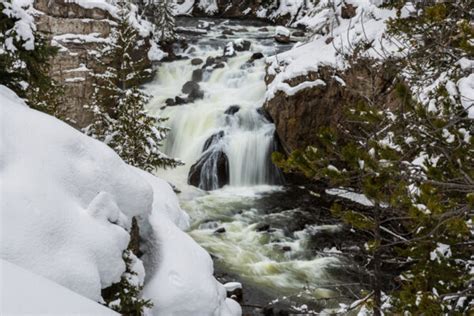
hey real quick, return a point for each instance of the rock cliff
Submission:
(298, 117)
(80, 34)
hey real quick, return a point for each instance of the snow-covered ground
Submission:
(66, 206)
(334, 38)
(26, 293)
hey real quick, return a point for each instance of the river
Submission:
(278, 240)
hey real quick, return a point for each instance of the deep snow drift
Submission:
(67, 203)
(25, 293)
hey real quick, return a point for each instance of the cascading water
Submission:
(225, 139)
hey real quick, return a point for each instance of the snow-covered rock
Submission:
(66, 203)
(328, 48)
(181, 282)
(67, 200)
(26, 293)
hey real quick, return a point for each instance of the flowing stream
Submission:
(254, 231)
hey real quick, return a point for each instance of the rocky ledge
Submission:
(298, 117)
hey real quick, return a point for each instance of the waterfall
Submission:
(233, 96)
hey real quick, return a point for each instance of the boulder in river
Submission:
(231, 110)
(211, 171)
(242, 45)
(193, 90)
(197, 75)
(220, 230)
(282, 35)
(180, 101)
(170, 102)
(256, 56)
(227, 32)
(196, 61)
(212, 140)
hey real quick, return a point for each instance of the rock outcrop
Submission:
(80, 34)
(298, 117)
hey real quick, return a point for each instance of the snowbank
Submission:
(67, 203)
(67, 200)
(340, 37)
(25, 293)
(182, 281)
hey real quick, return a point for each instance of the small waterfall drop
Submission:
(248, 137)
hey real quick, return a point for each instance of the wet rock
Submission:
(211, 171)
(236, 295)
(286, 248)
(193, 90)
(219, 65)
(231, 110)
(196, 61)
(170, 102)
(227, 32)
(329, 40)
(298, 34)
(256, 56)
(241, 30)
(283, 39)
(209, 62)
(180, 101)
(262, 227)
(348, 11)
(263, 29)
(265, 114)
(190, 86)
(197, 75)
(220, 230)
(242, 45)
(212, 140)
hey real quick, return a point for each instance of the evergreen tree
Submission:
(125, 297)
(25, 58)
(163, 18)
(120, 119)
(414, 162)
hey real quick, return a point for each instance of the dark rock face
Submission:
(265, 114)
(231, 110)
(227, 32)
(170, 102)
(211, 171)
(297, 117)
(214, 139)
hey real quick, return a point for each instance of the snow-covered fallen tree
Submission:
(67, 205)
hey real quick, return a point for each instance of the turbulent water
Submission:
(251, 234)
